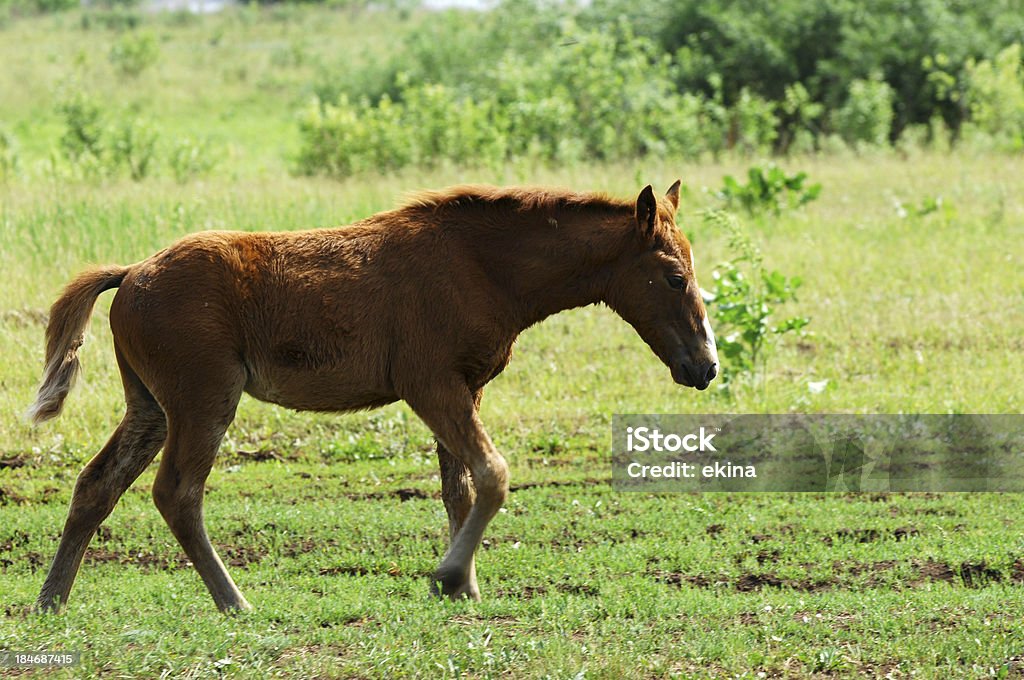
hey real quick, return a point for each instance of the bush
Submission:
(113, 19)
(133, 53)
(592, 95)
(343, 138)
(98, 148)
(754, 125)
(766, 47)
(994, 94)
(133, 146)
(429, 125)
(614, 79)
(865, 118)
(190, 158)
(83, 134)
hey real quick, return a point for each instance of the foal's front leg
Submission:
(458, 496)
(452, 415)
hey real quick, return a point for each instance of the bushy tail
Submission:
(65, 333)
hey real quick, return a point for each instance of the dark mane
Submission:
(517, 198)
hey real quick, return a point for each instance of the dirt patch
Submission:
(144, 561)
(675, 578)
(870, 535)
(35, 560)
(233, 555)
(408, 494)
(473, 619)
(261, 455)
(557, 483)
(402, 495)
(858, 535)
(11, 462)
(901, 533)
(347, 570)
(970, 574)
(241, 555)
(1017, 571)
(932, 571)
(550, 462)
(306, 545)
(749, 582)
(16, 540)
(347, 622)
(359, 570)
(8, 497)
(585, 589)
(858, 568)
(979, 574)
(714, 529)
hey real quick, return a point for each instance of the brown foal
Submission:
(420, 304)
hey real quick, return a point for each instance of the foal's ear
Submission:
(673, 194)
(646, 211)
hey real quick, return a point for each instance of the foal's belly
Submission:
(321, 388)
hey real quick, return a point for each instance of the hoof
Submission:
(454, 585)
(236, 606)
(46, 605)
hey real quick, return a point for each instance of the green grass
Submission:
(332, 524)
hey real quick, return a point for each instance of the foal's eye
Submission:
(677, 282)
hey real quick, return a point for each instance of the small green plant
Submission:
(133, 53)
(133, 145)
(190, 158)
(743, 302)
(927, 205)
(83, 120)
(769, 189)
(9, 161)
(294, 55)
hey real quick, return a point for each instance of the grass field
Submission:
(331, 525)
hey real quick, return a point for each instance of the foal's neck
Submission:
(553, 258)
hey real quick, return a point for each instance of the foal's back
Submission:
(309, 316)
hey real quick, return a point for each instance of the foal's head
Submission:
(654, 288)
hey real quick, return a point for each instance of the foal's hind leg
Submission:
(105, 478)
(195, 430)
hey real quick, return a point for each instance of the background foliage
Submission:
(557, 82)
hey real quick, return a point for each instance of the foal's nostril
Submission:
(712, 372)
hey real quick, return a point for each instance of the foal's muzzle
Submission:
(697, 375)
